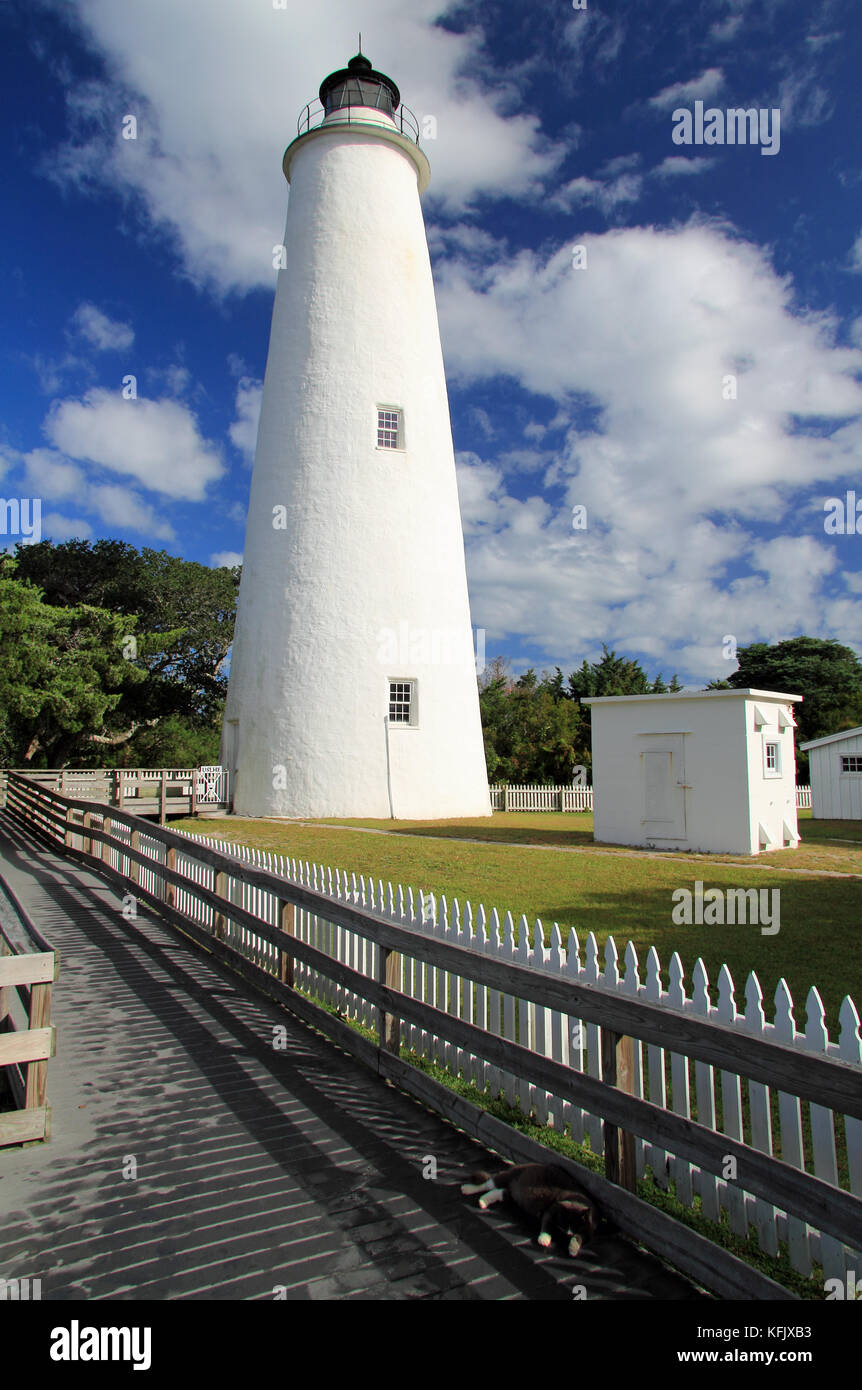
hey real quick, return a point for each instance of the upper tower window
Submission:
(390, 429)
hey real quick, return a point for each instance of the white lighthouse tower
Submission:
(353, 687)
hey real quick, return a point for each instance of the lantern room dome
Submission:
(359, 84)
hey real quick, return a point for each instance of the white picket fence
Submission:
(671, 1081)
(544, 798)
(539, 798)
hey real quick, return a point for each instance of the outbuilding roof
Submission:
(832, 738)
(692, 695)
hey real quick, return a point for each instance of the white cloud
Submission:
(62, 528)
(53, 474)
(107, 335)
(677, 164)
(125, 508)
(726, 28)
(701, 88)
(243, 431)
(226, 559)
(682, 486)
(175, 378)
(54, 477)
(9, 458)
(607, 196)
(157, 442)
(205, 163)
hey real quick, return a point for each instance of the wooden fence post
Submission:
(36, 1088)
(389, 974)
(87, 840)
(5, 990)
(287, 922)
(116, 788)
(170, 888)
(67, 834)
(618, 1070)
(220, 921)
(134, 866)
(162, 796)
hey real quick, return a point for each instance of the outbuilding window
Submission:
(851, 764)
(771, 759)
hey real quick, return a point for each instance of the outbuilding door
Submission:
(664, 786)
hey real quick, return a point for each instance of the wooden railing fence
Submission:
(155, 791)
(605, 1053)
(29, 965)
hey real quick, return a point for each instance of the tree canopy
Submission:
(171, 626)
(536, 729)
(826, 674)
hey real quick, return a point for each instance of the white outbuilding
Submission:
(836, 775)
(713, 771)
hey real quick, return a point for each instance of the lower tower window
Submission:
(402, 702)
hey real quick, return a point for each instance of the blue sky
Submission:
(694, 386)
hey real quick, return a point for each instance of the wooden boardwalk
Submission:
(191, 1160)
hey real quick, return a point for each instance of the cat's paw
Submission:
(544, 1240)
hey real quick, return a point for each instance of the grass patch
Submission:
(626, 895)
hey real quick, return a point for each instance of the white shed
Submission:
(712, 771)
(836, 775)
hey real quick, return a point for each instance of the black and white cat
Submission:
(548, 1195)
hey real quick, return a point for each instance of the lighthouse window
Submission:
(389, 429)
(402, 703)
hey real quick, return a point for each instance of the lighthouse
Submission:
(352, 688)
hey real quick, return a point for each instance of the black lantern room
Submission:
(359, 85)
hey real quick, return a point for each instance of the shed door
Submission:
(663, 778)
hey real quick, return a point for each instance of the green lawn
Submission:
(627, 894)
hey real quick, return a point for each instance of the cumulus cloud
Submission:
(55, 478)
(124, 508)
(227, 559)
(157, 442)
(213, 119)
(53, 475)
(101, 332)
(701, 88)
(243, 430)
(607, 194)
(681, 481)
(677, 165)
(64, 528)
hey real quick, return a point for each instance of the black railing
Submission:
(315, 113)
